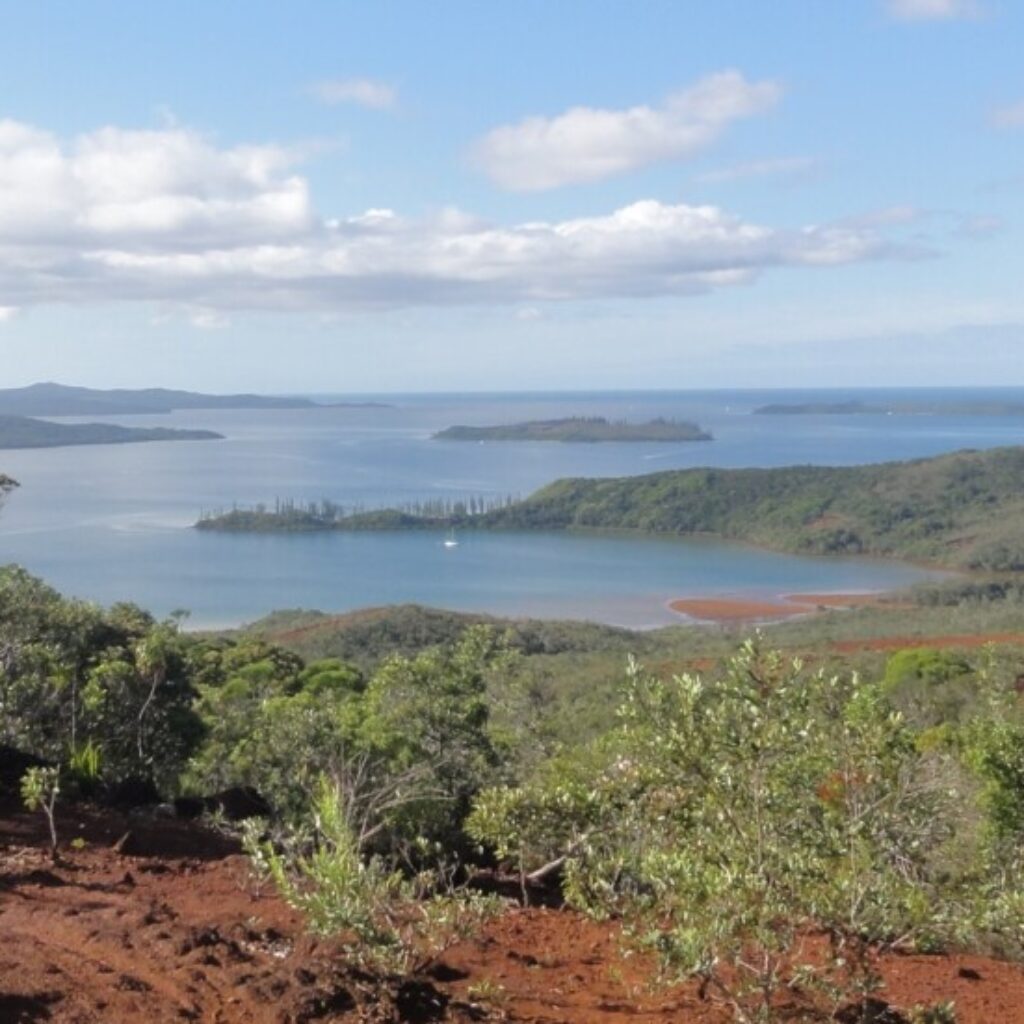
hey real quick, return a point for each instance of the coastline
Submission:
(786, 606)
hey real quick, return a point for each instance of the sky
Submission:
(332, 196)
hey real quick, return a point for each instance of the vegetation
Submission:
(572, 670)
(858, 408)
(763, 826)
(25, 432)
(40, 788)
(964, 510)
(579, 429)
(394, 923)
(961, 510)
(305, 517)
(723, 817)
(73, 675)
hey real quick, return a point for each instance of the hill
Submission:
(579, 429)
(26, 432)
(50, 399)
(962, 510)
(370, 635)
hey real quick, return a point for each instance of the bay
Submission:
(113, 522)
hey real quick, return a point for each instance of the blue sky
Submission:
(400, 196)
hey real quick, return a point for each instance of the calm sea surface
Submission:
(112, 522)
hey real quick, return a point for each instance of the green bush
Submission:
(388, 922)
(724, 818)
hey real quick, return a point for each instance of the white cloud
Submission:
(169, 218)
(781, 167)
(588, 144)
(161, 187)
(364, 92)
(932, 10)
(1010, 116)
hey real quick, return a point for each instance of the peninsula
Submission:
(579, 429)
(50, 399)
(963, 510)
(26, 432)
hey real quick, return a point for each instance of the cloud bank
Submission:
(589, 144)
(167, 216)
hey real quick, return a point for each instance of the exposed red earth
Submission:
(168, 926)
(739, 609)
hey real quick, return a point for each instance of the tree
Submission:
(433, 710)
(407, 749)
(72, 675)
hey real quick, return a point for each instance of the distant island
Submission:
(855, 408)
(50, 399)
(579, 429)
(964, 510)
(26, 432)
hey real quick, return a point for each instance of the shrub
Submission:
(388, 923)
(40, 788)
(726, 818)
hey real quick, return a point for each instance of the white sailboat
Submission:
(450, 541)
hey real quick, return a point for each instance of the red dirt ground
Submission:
(170, 928)
(740, 609)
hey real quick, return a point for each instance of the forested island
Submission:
(857, 408)
(962, 510)
(50, 399)
(26, 432)
(579, 429)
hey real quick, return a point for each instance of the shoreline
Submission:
(786, 606)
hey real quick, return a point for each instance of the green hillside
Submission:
(965, 509)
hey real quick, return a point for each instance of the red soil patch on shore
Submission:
(729, 609)
(171, 928)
